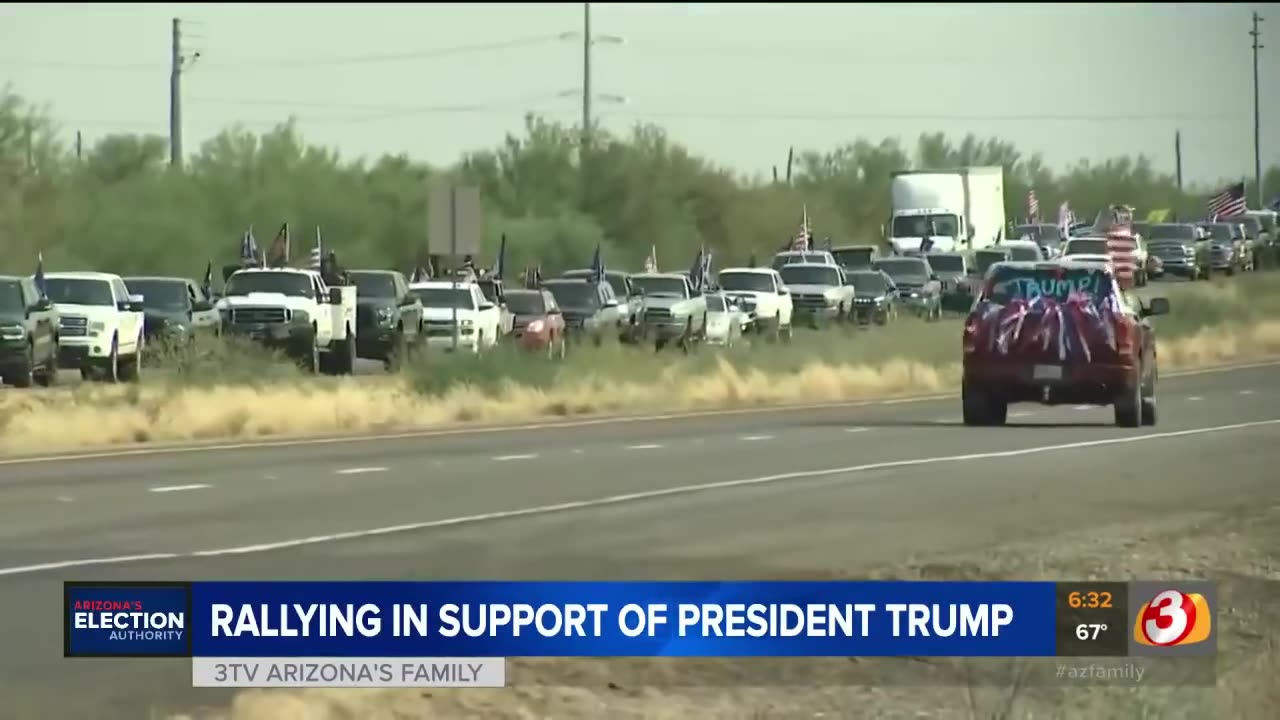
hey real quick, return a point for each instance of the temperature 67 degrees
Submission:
(1090, 631)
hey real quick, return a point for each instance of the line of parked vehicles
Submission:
(101, 324)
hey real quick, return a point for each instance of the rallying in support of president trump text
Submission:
(600, 619)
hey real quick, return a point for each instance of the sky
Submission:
(736, 83)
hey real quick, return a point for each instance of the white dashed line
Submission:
(643, 447)
(361, 470)
(1246, 392)
(577, 451)
(506, 458)
(756, 437)
(1195, 398)
(65, 498)
(178, 488)
(856, 430)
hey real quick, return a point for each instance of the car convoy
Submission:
(1051, 316)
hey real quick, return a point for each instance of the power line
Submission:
(261, 64)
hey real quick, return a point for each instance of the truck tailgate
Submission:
(1044, 331)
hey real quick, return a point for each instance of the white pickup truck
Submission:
(100, 325)
(763, 295)
(479, 320)
(294, 310)
(820, 294)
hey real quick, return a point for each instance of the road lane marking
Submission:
(1195, 398)
(750, 438)
(360, 470)
(577, 451)
(856, 430)
(1246, 392)
(223, 446)
(633, 497)
(643, 447)
(178, 488)
(508, 458)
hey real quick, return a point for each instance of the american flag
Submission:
(1033, 206)
(1065, 218)
(801, 239)
(317, 252)
(651, 262)
(1229, 202)
(1122, 246)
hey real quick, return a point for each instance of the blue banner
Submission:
(622, 619)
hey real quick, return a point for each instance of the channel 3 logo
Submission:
(1173, 618)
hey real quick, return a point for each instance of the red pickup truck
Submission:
(1059, 332)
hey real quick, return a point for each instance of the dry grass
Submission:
(97, 415)
(1237, 551)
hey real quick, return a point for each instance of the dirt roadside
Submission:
(1241, 551)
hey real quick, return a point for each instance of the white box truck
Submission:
(961, 209)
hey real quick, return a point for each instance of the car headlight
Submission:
(96, 328)
(466, 323)
(535, 326)
(12, 332)
(386, 315)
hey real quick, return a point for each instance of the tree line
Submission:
(118, 206)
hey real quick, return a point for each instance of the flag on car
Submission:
(207, 284)
(1033, 206)
(697, 272)
(1122, 246)
(317, 252)
(751, 261)
(248, 246)
(597, 266)
(1228, 203)
(1065, 217)
(500, 264)
(278, 255)
(803, 239)
(651, 262)
(39, 277)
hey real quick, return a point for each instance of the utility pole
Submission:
(79, 146)
(1257, 119)
(586, 75)
(175, 97)
(1177, 156)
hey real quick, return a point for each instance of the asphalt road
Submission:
(747, 494)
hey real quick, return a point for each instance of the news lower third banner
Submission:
(396, 634)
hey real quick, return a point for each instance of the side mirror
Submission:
(553, 311)
(1157, 306)
(611, 303)
(486, 306)
(201, 306)
(783, 290)
(933, 276)
(133, 304)
(335, 296)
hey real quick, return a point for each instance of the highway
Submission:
(753, 494)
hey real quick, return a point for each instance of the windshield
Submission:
(904, 270)
(659, 286)
(489, 289)
(526, 302)
(295, 284)
(947, 263)
(869, 283)
(854, 257)
(1054, 283)
(374, 284)
(1252, 227)
(160, 294)
(574, 294)
(746, 282)
(715, 303)
(1086, 247)
(616, 281)
(443, 297)
(77, 291)
(1171, 232)
(1219, 231)
(1025, 254)
(1268, 222)
(920, 225)
(985, 259)
(808, 275)
(10, 295)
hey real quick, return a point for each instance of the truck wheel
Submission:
(24, 375)
(48, 375)
(312, 364)
(111, 368)
(1149, 399)
(1128, 406)
(398, 353)
(344, 355)
(979, 408)
(131, 369)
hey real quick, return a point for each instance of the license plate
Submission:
(1047, 372)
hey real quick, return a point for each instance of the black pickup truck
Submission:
(28, 334)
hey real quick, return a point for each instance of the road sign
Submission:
(453, 220)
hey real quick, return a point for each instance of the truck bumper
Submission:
(74, 352)
(815, 315)
(293, 341)
(1049, 384)
(377, 344)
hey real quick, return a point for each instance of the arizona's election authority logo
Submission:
(126, 619)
